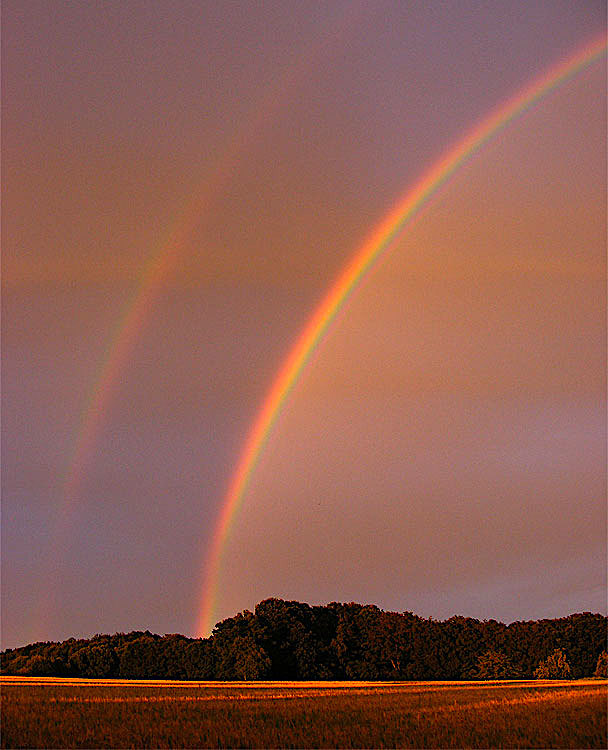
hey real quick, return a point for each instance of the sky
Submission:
(182, 183)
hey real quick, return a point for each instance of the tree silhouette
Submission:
(294, 641)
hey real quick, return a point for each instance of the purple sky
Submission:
(444, 454)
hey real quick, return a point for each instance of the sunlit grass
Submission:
(118, 713)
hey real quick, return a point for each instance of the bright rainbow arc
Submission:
(360, 264)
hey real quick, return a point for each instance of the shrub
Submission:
(554, 667)
(601, 670)
(494, 665)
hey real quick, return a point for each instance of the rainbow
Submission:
(157, 272)
(374, 247)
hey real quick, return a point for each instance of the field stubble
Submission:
(132, 714)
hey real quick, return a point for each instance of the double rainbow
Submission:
(374, 247)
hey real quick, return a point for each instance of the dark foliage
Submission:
(284, 640)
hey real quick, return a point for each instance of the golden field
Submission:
(65, 713)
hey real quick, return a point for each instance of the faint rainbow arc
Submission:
(346, 283)
(159, 268)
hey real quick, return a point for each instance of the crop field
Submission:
(64, 713)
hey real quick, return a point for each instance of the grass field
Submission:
(41, 713)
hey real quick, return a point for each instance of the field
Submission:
(48, 712)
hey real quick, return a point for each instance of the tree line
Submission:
(289, 640)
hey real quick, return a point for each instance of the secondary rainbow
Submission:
(374, 247)
(162, 264)
(155, 276)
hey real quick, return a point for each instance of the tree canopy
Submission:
(290, 640)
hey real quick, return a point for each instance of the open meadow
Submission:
(65, 713)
